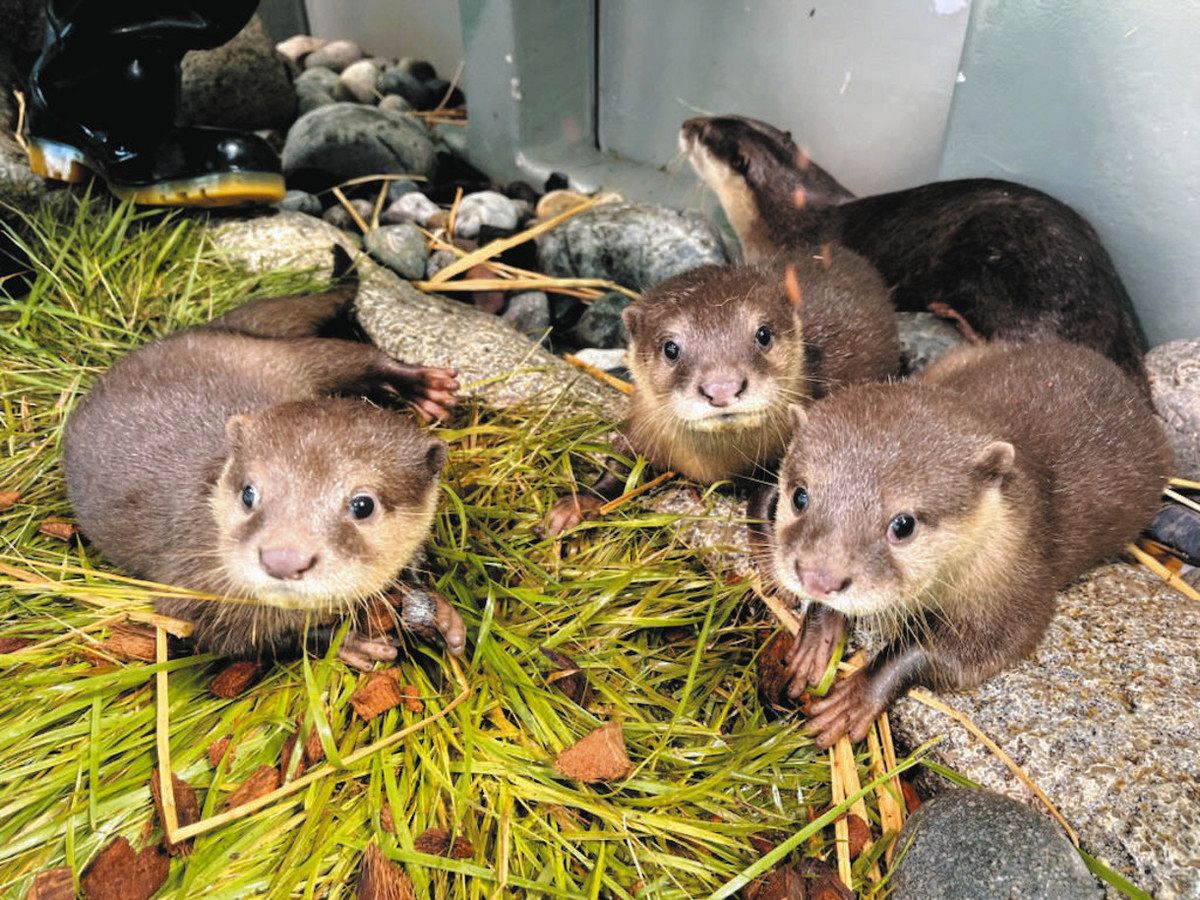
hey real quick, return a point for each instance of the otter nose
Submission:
(820, 583)
(722, 391)
(286, 563)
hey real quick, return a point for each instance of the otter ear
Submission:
(995, 460)
(791, 287)
(799, 416)
(632, 317)
(236, 427)
(435, 457)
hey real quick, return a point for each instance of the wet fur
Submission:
(1015, 263)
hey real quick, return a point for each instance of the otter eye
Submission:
(901, 528)
(249, 496)
(671, 350)
(361, 506)
(763, 336)
(800, 499)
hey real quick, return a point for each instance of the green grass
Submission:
(668, 649)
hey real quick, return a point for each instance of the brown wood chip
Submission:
(378, 695)
(773, 678)
(57, 528)
(9, 499)
(236, 678)
(785, 883)
(911, 800)
(385, 818)
(438, 842)
(380, 619)
(131, 642)
(187, 810)
(568, 677)
(262, 781)
(13, 644)
(285, 757)
(119, 873)
(599, 756)
(53, 884)
(412, 698)
(314, 751)
(860, 834)
(382, 879)
(217, 749)
(762, 843)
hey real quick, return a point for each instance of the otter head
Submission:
(322, 502)
(718, 350)
(762, 179)
(888, 496)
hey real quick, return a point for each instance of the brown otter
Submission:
(1001, 259)
(220, 459)
(944, 512)
(719, 353)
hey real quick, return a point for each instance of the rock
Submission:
(522, 190)
(565, 311)
(400, 187)
(419, 327)
(601, 324)
(444, 95)
(418, 68)
(411, 207)
(395, 80)
(301, 201)
(357, 81)
(485, 208)
(315, 87)
(611, 360)
(558, 202)
(340, 217)
(298, 46)
(399, 247)
(437, 261)
(968, 843)
(529, 313)
(24, 27)
(335, 55)
(345, 140)
(923, 338)
(394, 103)
(556, 181)
(242, 84)
(633, 244)
(1174, 369)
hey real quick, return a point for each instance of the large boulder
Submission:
(1174, 369)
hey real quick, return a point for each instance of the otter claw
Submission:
(849, 710)
(360, 652)
(430, 616)
(567, 512)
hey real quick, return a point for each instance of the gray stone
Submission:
(242, 84)
(335, 55)
(301, 201)
(529, 313)
(437, 261)
(923, 338)
(634, 244)
(601, 324)
(298, 46)
(394, 80)
(346, 140)
(422, 328)
(24, 26)
(357, 81)
(315, 87)
(338, 216)
(1174, 369)
(611, 360)
(977, 845)
(410, 207)
(395, 103)
(485, 208)
(418, 68)
(400, 187)
(399, 247)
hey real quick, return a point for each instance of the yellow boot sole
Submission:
(62, 162)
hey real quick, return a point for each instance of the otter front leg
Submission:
(855, 702)
(809, 657)
(567, 512)
(287, 317)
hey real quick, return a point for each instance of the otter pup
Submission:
(945, 512)
(1000, 259)
(220, 459)
(719, 353)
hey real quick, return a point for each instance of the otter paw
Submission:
(567, 512)
(429, 615)
(431, 392)
(849, 709)
(361, 652)
(812, 649)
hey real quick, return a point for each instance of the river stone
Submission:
(633, 244)
(399, 247)
(394, 103)
(338, 216)
(243, 84)
(418, 327)
(394, 80)
(335, 55)
(977, 845)
(357, 81)
(437, 261)
(400, 187)
(301, 201)
(601, 324)
(923, 338)
(420, 69)
(298, 46)
(412, 206)
(611, 360)
(315, 87)
(1174, 369)
(529, 313)
(485, 208)
(346, 140)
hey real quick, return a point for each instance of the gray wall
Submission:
(426, 29)
(1097, 103)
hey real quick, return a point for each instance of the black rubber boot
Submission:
(103, 97)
